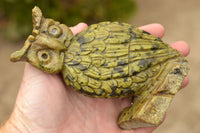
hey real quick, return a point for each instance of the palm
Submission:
(48, 105)
(54, 106)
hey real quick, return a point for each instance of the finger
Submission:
(154, 29)
(78, 28)
(181, 46)
(30, 72)
(144, 130)
(185, 82)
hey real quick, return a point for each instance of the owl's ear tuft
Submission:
(37, 18)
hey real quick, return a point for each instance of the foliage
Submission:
(70, 12)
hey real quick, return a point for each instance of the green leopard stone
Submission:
(109, 60)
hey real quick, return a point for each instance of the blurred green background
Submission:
(180, 18)
(69, 12)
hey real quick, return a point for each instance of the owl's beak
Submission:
(21, 54)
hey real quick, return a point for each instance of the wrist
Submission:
(13, 125)
(9, 128)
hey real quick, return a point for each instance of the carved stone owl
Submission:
(109, 59)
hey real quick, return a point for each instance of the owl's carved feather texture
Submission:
(109, 60)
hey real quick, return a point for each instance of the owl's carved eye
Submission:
(44, 56)
(54, 30)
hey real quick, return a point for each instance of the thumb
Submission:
(37, 85)
(32, 79)
(20, 118)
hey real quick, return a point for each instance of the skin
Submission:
(46, 104)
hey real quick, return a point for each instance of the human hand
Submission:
(46, 105)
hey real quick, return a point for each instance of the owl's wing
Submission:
(113, 50)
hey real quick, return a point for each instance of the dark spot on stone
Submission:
(143, 62)
(120, 23)
(105, 64)
(125, 79)
(158, 39)
(149, 65)
(86, 92)
(132, 99)
(111, 36)
(133, 72)
(155, 47)
(121, 62)
(41, 66)
(148, 54)
(90, 30)
(74, 62)
(127, 91)
(82, 39)
(133, 35)
(113, 87)
(99, 38)
(127, 40)
(113, 93)
(70, 77)
(177, 71)
(118, 69)
(111, 75)
(77, 53)
(76, 35)
(122, 114)
(146, 32)
(108, 78)
(82, 67)
(81, 47)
